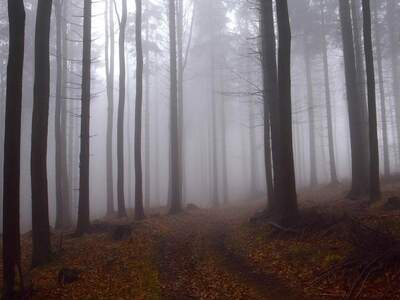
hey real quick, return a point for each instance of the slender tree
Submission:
(63, 216)
(147, 151)
(311, 108)
(270, 98)
(121, 112)
(109, 60)
(83, 208)
(332, 159)
(175, 177)
(12, 144)
(394, 60)
(41, 248)
(374, 186)
(382, 92)
(285, 184)
(139, 211)
(359, 160)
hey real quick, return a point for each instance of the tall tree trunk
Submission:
(214, 142)
(179, 24)
(224, 151)
(121, 112)
(12, 146)
(356, 123)
(83, 209)
(175, 172)
(393, 52)
(63, 216)
(361, 78)
(139, 211)
(374, 187)
(109, 58)
(382, 92)
(147, 120)
(311, 119)
(41, 247)
(332, 159)
(285, 183)
(270, 99)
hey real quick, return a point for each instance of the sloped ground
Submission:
(204, 254)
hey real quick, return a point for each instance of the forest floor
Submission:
(223, 254)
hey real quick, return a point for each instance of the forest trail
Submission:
(194, 262)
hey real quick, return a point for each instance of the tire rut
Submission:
(194, 263)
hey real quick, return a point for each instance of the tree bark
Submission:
(175, 174)
(285, 183)
(374, 186)
(139, 211)
(83, 208)
(147, 119)
(356, 123)
(109, 59)
(311, 119)
(41, 247)
(63, 215)
(332, 159)
(121, 112)
(270, 99)
(382, 92)
(12, 146)
(393, 52)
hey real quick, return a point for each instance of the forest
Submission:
(200, 149)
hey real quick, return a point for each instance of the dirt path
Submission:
(195, 264)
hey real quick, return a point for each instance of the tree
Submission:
(147, 111)
(12, 145)
(270, 97)
(392, 17)
(311, 108)
(139, 211)
(332, 159)
(63, 213)
(83, 208)
(175, 172)
(359, 160)
(41, 248)
(285, 185)
(382, 92)
(121, 111)
(374, 186)
(109, 60)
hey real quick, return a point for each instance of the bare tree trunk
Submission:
(214, 142)
(225, 194)
(12, 146)
(179, 23)
(41, 248)
(311, 119)
(139, 211)
(109, 59)
(360, 71)
(332, 159)
(175, 175)
(393, 52)
(285, 183)
(382, 93)
(83, 209)
(356, 121)
(374, 187)
(147, 121)
(270, 99)
(63, 216)
(121, 112)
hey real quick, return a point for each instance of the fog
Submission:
(222, 102)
